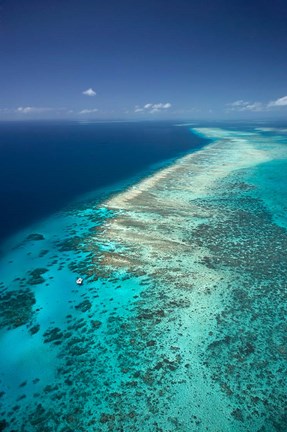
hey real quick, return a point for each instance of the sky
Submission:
(148, 59)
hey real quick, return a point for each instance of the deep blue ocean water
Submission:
(45, 166)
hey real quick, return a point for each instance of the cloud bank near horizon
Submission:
(273, 106)
(33, 110)
(242, 105)
(152, 108)
(88, 111)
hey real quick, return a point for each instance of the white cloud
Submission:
(153, 108)
(278, 102)
(241, 105)
(255, 106)
(89, 92)
(24, 110)
(238, 103)
(32, 110)
(161, 106)
(88, 111)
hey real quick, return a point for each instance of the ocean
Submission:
(45, 166)
(179, 234)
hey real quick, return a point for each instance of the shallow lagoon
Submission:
(179, 325)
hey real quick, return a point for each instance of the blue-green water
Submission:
(180, 324)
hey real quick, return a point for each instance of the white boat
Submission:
(79, 281)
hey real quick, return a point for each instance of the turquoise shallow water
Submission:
(45, 316)
(180, 324)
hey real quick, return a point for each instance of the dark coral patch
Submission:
(36, 277)
(35, 236)
(84, 306)
(16, 308)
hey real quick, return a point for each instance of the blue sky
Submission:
(130, 59)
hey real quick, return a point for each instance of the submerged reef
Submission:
(180, 324)
(16, 308)
(35, 236)
(35, 276)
